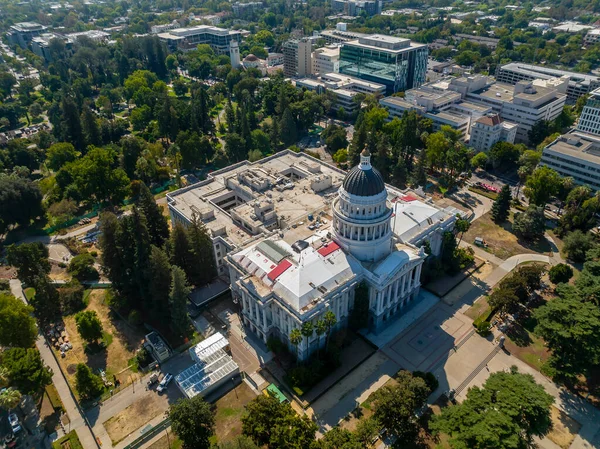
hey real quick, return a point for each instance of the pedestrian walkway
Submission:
(76, 419)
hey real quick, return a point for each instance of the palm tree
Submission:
(296, 339)
(320, 329)
(3, 377)
(330, 321)
(307, 330)
(9, 398)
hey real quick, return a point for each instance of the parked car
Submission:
(152, 380)
(14, 422)
(164, 383)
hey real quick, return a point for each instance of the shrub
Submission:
(54, 397)
(275, 345)
(94, 254)
(483, 328)
(71, 297)
(560, 273)
(134, 318)
(4, 285)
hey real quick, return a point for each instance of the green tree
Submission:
(330, 321)
(501, 206)
(296, 339)
(89, 326)
(26, 371)
(288, 128)
(9, 398)
(90, 128)
(60, 154)
(530, 224)
(366, 430)
(507, 412)
(17, 327)
(30, 260)
(276, 425)
(88, 385)
(235, 147)
(359, 317)
(81, 267)
(307, 330)
(202, 250)
(541, 185)
(560, 273)
(20, 202)
(178, 297)
(480, 160)
(335, 138)
(180, 87)
(571, 329)
(461, 226)
(320, 330)
(503, 300)
(46, 301)
(338, 438)
(156, 222)
(577, 244)
(193, 421)
(160, 282)
(395, 406)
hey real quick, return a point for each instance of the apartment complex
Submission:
(490, 129)
(345, 89)
(579, 83)
(592, 37)
(22, 33)
(397, 63)
(297, 57)
(184, 39)
(326, 60)
(576, 155)
(589, 121)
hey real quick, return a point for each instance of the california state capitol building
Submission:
(294, 237)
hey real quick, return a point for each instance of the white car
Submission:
(164, 383)
(14, 422)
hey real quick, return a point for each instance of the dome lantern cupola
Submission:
(364, 179)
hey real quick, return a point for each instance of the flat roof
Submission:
(289, 179)
(541, 72)
(577, 145)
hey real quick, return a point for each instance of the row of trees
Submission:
(150, 267)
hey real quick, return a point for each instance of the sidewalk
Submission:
(77, 422)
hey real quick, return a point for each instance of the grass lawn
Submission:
(564, 428)
(478, 308)
(29, 293)
(69, 441)
(229, 410)
(501, 240)
(122, 343)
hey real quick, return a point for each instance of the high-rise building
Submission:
(397, 63)
(22, 33)
(589, 121)
(297, 57)
(326, 60)
(356, 7)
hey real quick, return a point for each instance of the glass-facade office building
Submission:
(399, 64)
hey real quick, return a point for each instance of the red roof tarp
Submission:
(408, 198)
(279, 269)
(328, 249)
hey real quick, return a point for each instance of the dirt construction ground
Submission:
(133, 417)
(114, 359)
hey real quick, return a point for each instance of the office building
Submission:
(186, 39)
(340, 34)
(242, 9)
(297, 57)
(575, 155)
(524, 103)
(442, 107)
(589, 121)
(40, 45)
(490, 129)
(571, 27)
(326, 60)
(22, 33)
(397, 63)
(579, 83)
(345, 89)
(274, 59)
